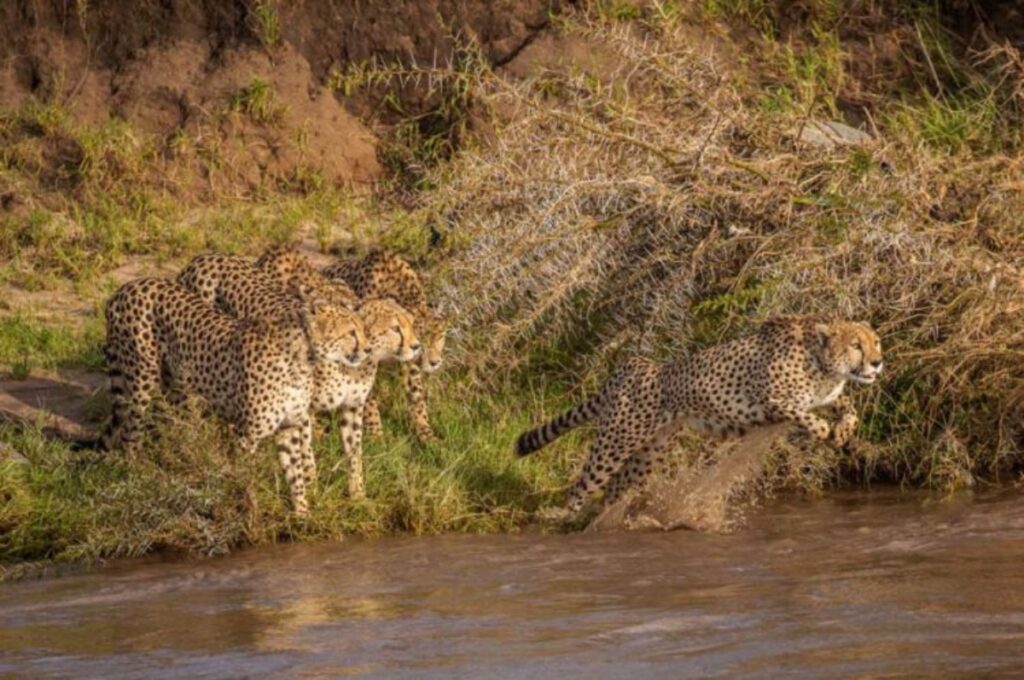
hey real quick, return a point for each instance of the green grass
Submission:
(187, 494)
(951, 125)
(259, 101)
(619, 10)
(116, 194)
(27, 344)
(266, 23)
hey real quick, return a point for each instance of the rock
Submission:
(830, 134)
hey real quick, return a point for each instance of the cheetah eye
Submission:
(396, 329)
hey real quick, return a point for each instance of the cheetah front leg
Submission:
(308, 459)
(371, 417)
(352, 436)
(814, 425)
(294, 444)
(846, 422)
(412, 376)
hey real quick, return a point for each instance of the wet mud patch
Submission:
(711, 498)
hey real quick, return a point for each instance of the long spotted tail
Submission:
(540, 437)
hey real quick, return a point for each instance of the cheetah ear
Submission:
(824, 332)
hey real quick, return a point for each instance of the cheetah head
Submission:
(282, 262)
(851, 350)
(291, 269)
(435, 330)
(390, 329)
(312, 288)
(337, 334)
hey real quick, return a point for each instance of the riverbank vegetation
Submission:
(644, 178)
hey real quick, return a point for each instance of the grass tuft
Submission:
(258, 101)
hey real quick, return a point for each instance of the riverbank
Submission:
(615, 179)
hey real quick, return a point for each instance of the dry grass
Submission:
(664, 206)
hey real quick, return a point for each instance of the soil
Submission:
(60, 402)
(172, 68)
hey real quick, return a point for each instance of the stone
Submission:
(830, 134)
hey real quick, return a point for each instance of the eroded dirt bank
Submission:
(177, 71)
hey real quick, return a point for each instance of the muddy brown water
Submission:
(851, 585)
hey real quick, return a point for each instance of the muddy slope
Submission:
(188, 67)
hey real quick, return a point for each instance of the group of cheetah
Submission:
(269, 343)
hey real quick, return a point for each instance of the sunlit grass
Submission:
(27, 344)
(188, 493)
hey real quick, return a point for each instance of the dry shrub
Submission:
(661, 206)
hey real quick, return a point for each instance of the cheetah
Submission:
(243, 289)
(790, 366)
(387, 333)
(256, 373)
(384, 274)
(344, 390)
(292, 270)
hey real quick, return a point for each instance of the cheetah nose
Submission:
(877, 365)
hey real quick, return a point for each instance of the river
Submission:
(851, 585)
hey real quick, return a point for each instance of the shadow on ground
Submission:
(61, 404)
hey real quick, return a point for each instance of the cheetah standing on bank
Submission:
(245, 289)
(789, 367)
(387, 275)
(256, 373)
(293, 271)
(239, 287)
(345, 390)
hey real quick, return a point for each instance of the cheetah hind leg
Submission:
(634, 473)
(614, 445)
(131, 393)
(416, 398)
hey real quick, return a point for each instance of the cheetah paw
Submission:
(844, 430)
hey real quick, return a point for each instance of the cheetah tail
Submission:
(119, 407)
(540, 437)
